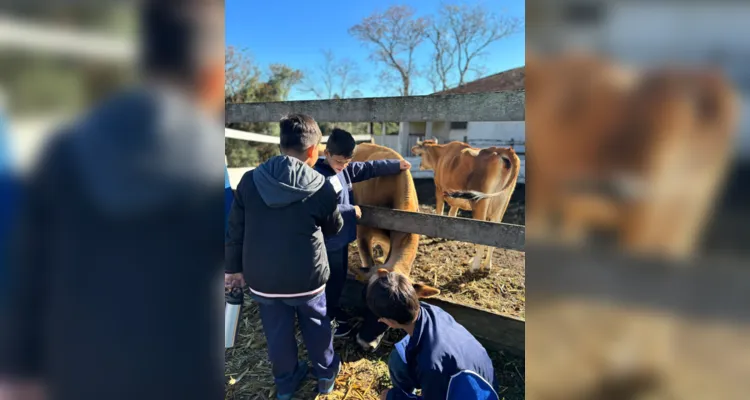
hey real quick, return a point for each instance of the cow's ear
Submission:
(425, 292)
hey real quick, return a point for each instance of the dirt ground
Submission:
(440, 263)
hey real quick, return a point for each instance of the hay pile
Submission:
(363, 375)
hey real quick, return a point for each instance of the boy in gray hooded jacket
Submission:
(281, 211)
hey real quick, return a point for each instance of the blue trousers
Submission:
(278, 317)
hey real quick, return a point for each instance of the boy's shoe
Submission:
(299, 376)
(325, 386)
(343, 329)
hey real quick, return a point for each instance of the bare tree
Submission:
(333, 78)
(321, 86)
(394, 34)
(443, 57)
(348, 75)
(460, 35)
(240, 75)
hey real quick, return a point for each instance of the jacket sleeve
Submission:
(362, 171)
(235, 232)
(434, 385)
(228, 197)
(329, 217)
(348, 214)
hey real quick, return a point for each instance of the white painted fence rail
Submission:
(39, 37)
(262, 138)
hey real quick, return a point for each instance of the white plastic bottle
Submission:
(234, 299)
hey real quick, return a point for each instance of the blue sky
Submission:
(294, 32)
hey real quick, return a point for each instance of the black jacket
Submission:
(280, 213)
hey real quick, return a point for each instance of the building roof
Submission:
(512, 79)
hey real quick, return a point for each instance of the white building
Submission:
(477, 134)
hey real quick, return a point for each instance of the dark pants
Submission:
(338, 261)
(399, 372)
(277, 316)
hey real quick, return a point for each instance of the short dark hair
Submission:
(341, 143)
(298, 132)
(391, 295)
(177, 36)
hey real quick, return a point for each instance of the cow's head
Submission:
(423, 150)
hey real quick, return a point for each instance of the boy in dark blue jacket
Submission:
(436, 347)
(338, 169)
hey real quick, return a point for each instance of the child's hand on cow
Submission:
(405, 165)
(384, 394)
(232, 281)
(357, 212)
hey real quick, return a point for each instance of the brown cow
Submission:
(640, 154)
(575, 105)
(398, 249)
(478, 180)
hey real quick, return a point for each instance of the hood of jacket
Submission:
(147, 148)
(284, 180)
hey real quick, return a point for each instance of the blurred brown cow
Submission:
(640, 154)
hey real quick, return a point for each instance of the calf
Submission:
(479, 180)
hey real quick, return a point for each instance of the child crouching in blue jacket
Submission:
(338, 168)
(435, 350)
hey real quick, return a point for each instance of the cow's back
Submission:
(455, 165)
(396, 191)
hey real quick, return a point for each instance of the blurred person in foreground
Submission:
(438, 355)
(118, 253)
(279, 217)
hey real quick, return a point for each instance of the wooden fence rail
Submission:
(713, 288)
(505, 236)
(499, 106)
